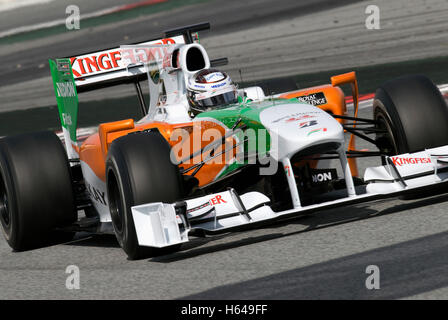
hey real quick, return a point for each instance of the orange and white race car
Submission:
(207, 157)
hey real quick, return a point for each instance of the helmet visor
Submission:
(220, 100)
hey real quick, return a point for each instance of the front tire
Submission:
(413, 113)
(139, 170)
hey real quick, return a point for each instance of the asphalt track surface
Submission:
(323, 256)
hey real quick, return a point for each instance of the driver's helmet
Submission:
(210, 89)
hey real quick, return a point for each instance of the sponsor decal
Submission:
(88, 65)
(293, 119)
(110, 60)
(288, 171)
(203, 95)
(67, 119)
(216, 200)
(307, 124)
(316, 99)
(96, 194)
(216, 76)
(62, 66)
(65, 89)
(167, 61)
(317, 130)
(219, 85)
(319, 176)
(410, 160)
(202, 206)
(297, 114)
(137, 56)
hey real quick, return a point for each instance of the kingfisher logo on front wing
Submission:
(216, 200)
(410, 161)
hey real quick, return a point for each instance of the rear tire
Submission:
(36, 193)
(139, 170)
(414, 113)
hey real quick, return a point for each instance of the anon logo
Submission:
(404, 161)
(321, 177)
(65, 89)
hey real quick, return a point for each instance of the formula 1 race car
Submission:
(206, 157)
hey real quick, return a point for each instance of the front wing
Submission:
(161, 225)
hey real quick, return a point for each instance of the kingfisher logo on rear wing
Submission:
(107, 65)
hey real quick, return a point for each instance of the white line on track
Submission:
(59, 22)
(54, 23)
(7, 5)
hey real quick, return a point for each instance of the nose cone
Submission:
(296, 126)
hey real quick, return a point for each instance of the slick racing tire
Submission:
(36, 192)
(139, 170)
(413, 113)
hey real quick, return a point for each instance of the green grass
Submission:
(96, 21)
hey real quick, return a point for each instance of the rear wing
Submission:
(105, 68)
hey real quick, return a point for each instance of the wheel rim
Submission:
(5, 214)
(387, 141)
(115, 204)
